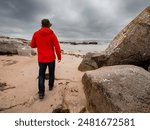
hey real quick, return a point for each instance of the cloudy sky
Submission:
(71, 19)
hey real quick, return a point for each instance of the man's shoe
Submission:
(41, 96)
(50, 88)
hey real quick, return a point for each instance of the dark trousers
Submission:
(42, 70)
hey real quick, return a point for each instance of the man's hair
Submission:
(46, 23)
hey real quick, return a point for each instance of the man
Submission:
(47, 44)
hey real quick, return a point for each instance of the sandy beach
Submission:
(18, 91)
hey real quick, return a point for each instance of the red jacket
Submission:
(47, 44)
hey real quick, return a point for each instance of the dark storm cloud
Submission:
(71, 19)
(15, 16)
(17, 9)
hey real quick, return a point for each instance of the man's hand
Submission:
(59, 61)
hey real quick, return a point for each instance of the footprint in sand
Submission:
(4, 86)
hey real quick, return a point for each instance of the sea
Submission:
(82, 49)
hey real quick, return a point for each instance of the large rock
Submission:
(8, 46)
(14, 46)
(88, 63)
(25, 51)
(121, 88)
(130, 46)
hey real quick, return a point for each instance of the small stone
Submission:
(60, 109)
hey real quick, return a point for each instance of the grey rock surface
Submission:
(121, 88)
(15, 47)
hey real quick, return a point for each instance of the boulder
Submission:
(8, 46)
(88, 63)
(14, 46)
(25, 51)
(130, 46)
(120, 88)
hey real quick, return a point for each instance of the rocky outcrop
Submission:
(8, 46)
(80, 42)
(15, 46)
(121, 88)
(130, 46)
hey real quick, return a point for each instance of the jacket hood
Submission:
(45, 31)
